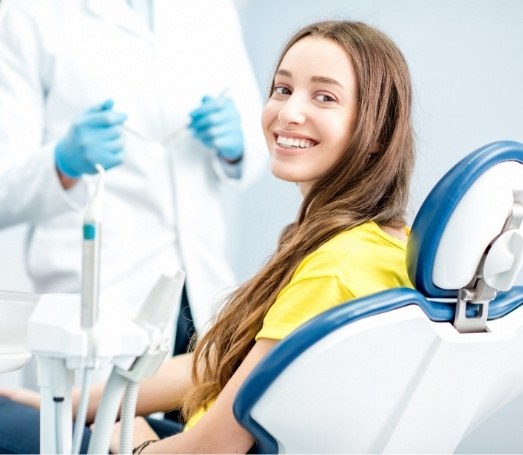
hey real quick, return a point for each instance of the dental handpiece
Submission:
(91, 243)
(174, 134)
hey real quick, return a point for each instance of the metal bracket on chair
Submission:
(478, 297)
(475, 297)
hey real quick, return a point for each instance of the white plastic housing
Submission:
(476, 221)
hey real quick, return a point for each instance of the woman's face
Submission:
(310, 116)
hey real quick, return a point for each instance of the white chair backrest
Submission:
(478, 219)
(393, 383)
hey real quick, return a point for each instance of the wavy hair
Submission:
(370, 182)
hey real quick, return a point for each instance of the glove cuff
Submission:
(231, 160)
(61, 165)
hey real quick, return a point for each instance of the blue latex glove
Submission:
(216, 122)
(95, 138)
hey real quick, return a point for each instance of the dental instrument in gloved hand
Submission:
(217, 124)
(218, 113)
(94, 138)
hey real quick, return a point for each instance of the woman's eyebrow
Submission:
(282, 72)
(322, 79)
(325, 80)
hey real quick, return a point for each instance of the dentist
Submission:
(138, 87)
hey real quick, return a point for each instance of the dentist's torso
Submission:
(162, 209)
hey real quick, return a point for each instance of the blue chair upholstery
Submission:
(392, 372)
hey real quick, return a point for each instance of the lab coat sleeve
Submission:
(226, 171)
(30, 190)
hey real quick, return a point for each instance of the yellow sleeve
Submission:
(299, 301)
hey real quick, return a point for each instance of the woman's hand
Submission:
(27, 397)
(142, 432)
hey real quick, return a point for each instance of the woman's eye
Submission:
(281, 90)
(324, 98)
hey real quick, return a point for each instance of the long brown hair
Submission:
(369, 182)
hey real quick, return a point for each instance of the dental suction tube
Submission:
(90, 274)
(92, 229)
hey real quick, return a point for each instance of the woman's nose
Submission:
(293, 111)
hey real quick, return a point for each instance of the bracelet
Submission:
(143, 445)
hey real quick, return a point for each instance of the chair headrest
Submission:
(476, 209)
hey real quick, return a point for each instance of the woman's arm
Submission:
(162, 392)
(217, 431)
(165, 390)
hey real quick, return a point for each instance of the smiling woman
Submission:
(337, 122)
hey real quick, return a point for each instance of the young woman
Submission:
(338, 123)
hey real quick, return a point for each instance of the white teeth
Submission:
(294, 142)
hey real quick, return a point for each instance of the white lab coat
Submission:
(160, 213)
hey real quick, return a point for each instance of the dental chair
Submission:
(411, 370)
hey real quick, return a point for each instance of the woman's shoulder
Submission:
(355, 251)
(364, 236)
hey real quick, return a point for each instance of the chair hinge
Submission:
(476, 299)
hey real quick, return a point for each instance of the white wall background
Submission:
(466, 60)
